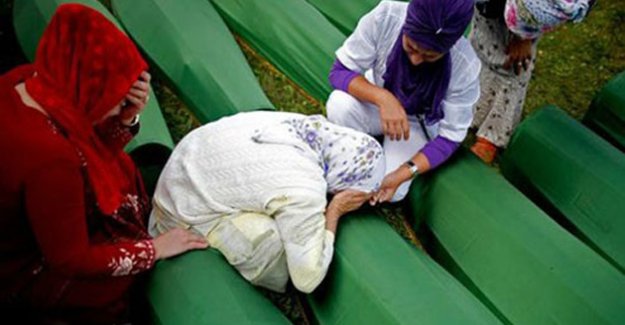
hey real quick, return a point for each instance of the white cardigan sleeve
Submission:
(463, 92)
(308, 245)
(360, 50)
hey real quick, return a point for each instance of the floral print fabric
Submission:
(349, 159)
(531, 18)
(500, 106)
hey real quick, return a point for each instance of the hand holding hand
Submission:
(389, 186)
(177, 241)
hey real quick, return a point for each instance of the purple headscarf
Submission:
(435, 25)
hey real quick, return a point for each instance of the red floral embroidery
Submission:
(128, 262)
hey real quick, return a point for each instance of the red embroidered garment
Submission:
(72, 204)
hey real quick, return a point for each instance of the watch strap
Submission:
(414, 169)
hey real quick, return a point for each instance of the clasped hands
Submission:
(350, 200)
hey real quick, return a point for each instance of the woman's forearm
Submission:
(332, 219)
(422, 162)
(403, 174)
(362, 89)
(343, 202)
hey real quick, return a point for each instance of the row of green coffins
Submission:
(524, 266)
(200, 287)
(578, 177)
(375, 276)
(575, 175)
(370, 239)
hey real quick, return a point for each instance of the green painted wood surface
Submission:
(377, 277)
(575, 174)
(606, 115)
(346, 13)
(291, 34)
(512, 255)
(192, 47)
(201, 288)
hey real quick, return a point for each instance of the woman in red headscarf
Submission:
(72, 204)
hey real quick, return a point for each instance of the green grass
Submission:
(282, 92)
(577, 59)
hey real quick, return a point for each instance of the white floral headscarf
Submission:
(349, 159)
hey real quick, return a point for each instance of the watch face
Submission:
(412, 167)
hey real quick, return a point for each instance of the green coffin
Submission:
(376, 277)
(291, 34)
(512, 255)
(606, 115)
(344, 14)
(30, 18)
(190, 44)
(152, 146)
(576, 174)
(201, 288)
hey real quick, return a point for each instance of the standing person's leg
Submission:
(499, 108)
(345, 110)
(398, 152)
(504, 113)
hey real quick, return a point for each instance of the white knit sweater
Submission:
(217, 173)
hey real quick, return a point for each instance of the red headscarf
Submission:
(84, 67)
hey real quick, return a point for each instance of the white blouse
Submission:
(368, 47)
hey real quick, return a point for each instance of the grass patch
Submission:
(280, 90)
(577, 59)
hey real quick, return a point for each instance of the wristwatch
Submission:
(414, 169)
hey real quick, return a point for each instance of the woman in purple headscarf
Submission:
(407, 73)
